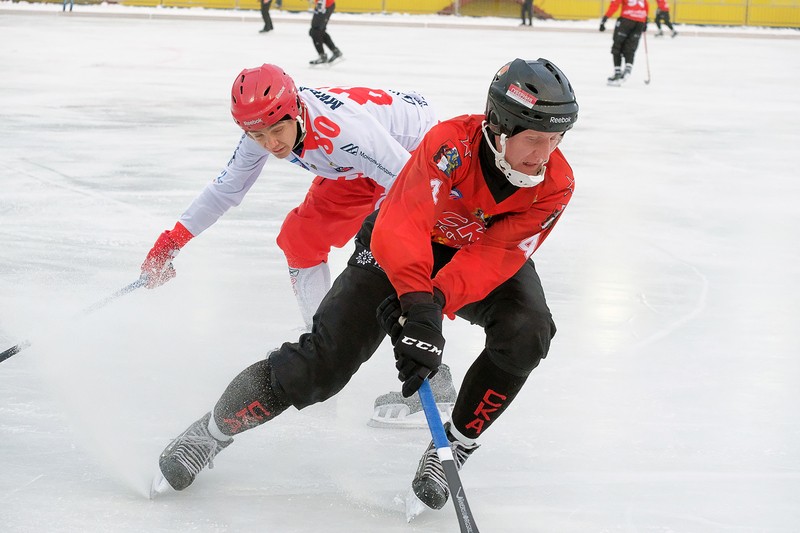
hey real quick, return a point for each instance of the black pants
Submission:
(626, 40)
(527, 12)
(345, 332)
(318, 32)
(663, 16)
(265, 15)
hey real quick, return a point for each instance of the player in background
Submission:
(526, 12)
(355, 140)
(265, 5)
(662, 15)
(454, 236)
(323, 9)
(627, 31)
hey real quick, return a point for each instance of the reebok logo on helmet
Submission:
(251, 122)
(560, 120)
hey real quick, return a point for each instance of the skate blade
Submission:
(397, 416)
(159, 486)
(327, 64)
(414, 506)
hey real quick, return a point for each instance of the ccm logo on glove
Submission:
(425, 346)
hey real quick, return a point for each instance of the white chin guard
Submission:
(515, 177)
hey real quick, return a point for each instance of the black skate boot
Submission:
(392, 410)
(430, 484)
(189, 453)
(321, 60)
(627, 74)
(336, 54)
(616, 79)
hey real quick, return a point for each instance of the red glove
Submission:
(157, 266)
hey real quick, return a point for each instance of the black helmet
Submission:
(530, 95)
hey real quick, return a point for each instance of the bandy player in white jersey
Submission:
(355, 140)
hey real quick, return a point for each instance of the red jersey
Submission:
(441, 195)
(663, 5)
(631, 9)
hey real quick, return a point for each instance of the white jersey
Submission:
(351, 133)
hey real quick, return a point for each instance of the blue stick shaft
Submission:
(432, 416)
(465, 520)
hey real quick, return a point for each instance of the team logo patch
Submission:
(447, 159)
(350, 148)
(365, 258)
(455, 194)
(520, 96)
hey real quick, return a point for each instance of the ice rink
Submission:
(668, 403)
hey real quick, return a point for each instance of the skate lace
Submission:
(196, 450)
(433, 466)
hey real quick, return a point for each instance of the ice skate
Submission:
(627, 74)
(674, 34)
(616, 79)
(336, 55)
(186, 456)
(321, 60)
(430, 485)
(392, 410)
(660, 33)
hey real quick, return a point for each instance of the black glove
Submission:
(389, 317)
(419, 346)
(603, 24)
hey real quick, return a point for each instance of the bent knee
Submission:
(522, 342)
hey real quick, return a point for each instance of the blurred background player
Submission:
(323, 9)
(265, 5)
(662, 15)
(526, 12)
(627, 31)
(356, 140)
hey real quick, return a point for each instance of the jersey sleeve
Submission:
(228, 189)
(613, 8)
(401, 239)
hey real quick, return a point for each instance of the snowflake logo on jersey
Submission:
(366, 258)
(447, 159)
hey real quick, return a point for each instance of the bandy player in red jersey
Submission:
(356, 140)
(454, 236)
(631, 23)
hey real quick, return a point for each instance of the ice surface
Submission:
(668, 402)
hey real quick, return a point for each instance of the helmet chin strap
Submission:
(517, 178)
(301, 126)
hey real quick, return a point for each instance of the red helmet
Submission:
(262, 96)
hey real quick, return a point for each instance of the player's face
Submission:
(528, 150)
(278, 139)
